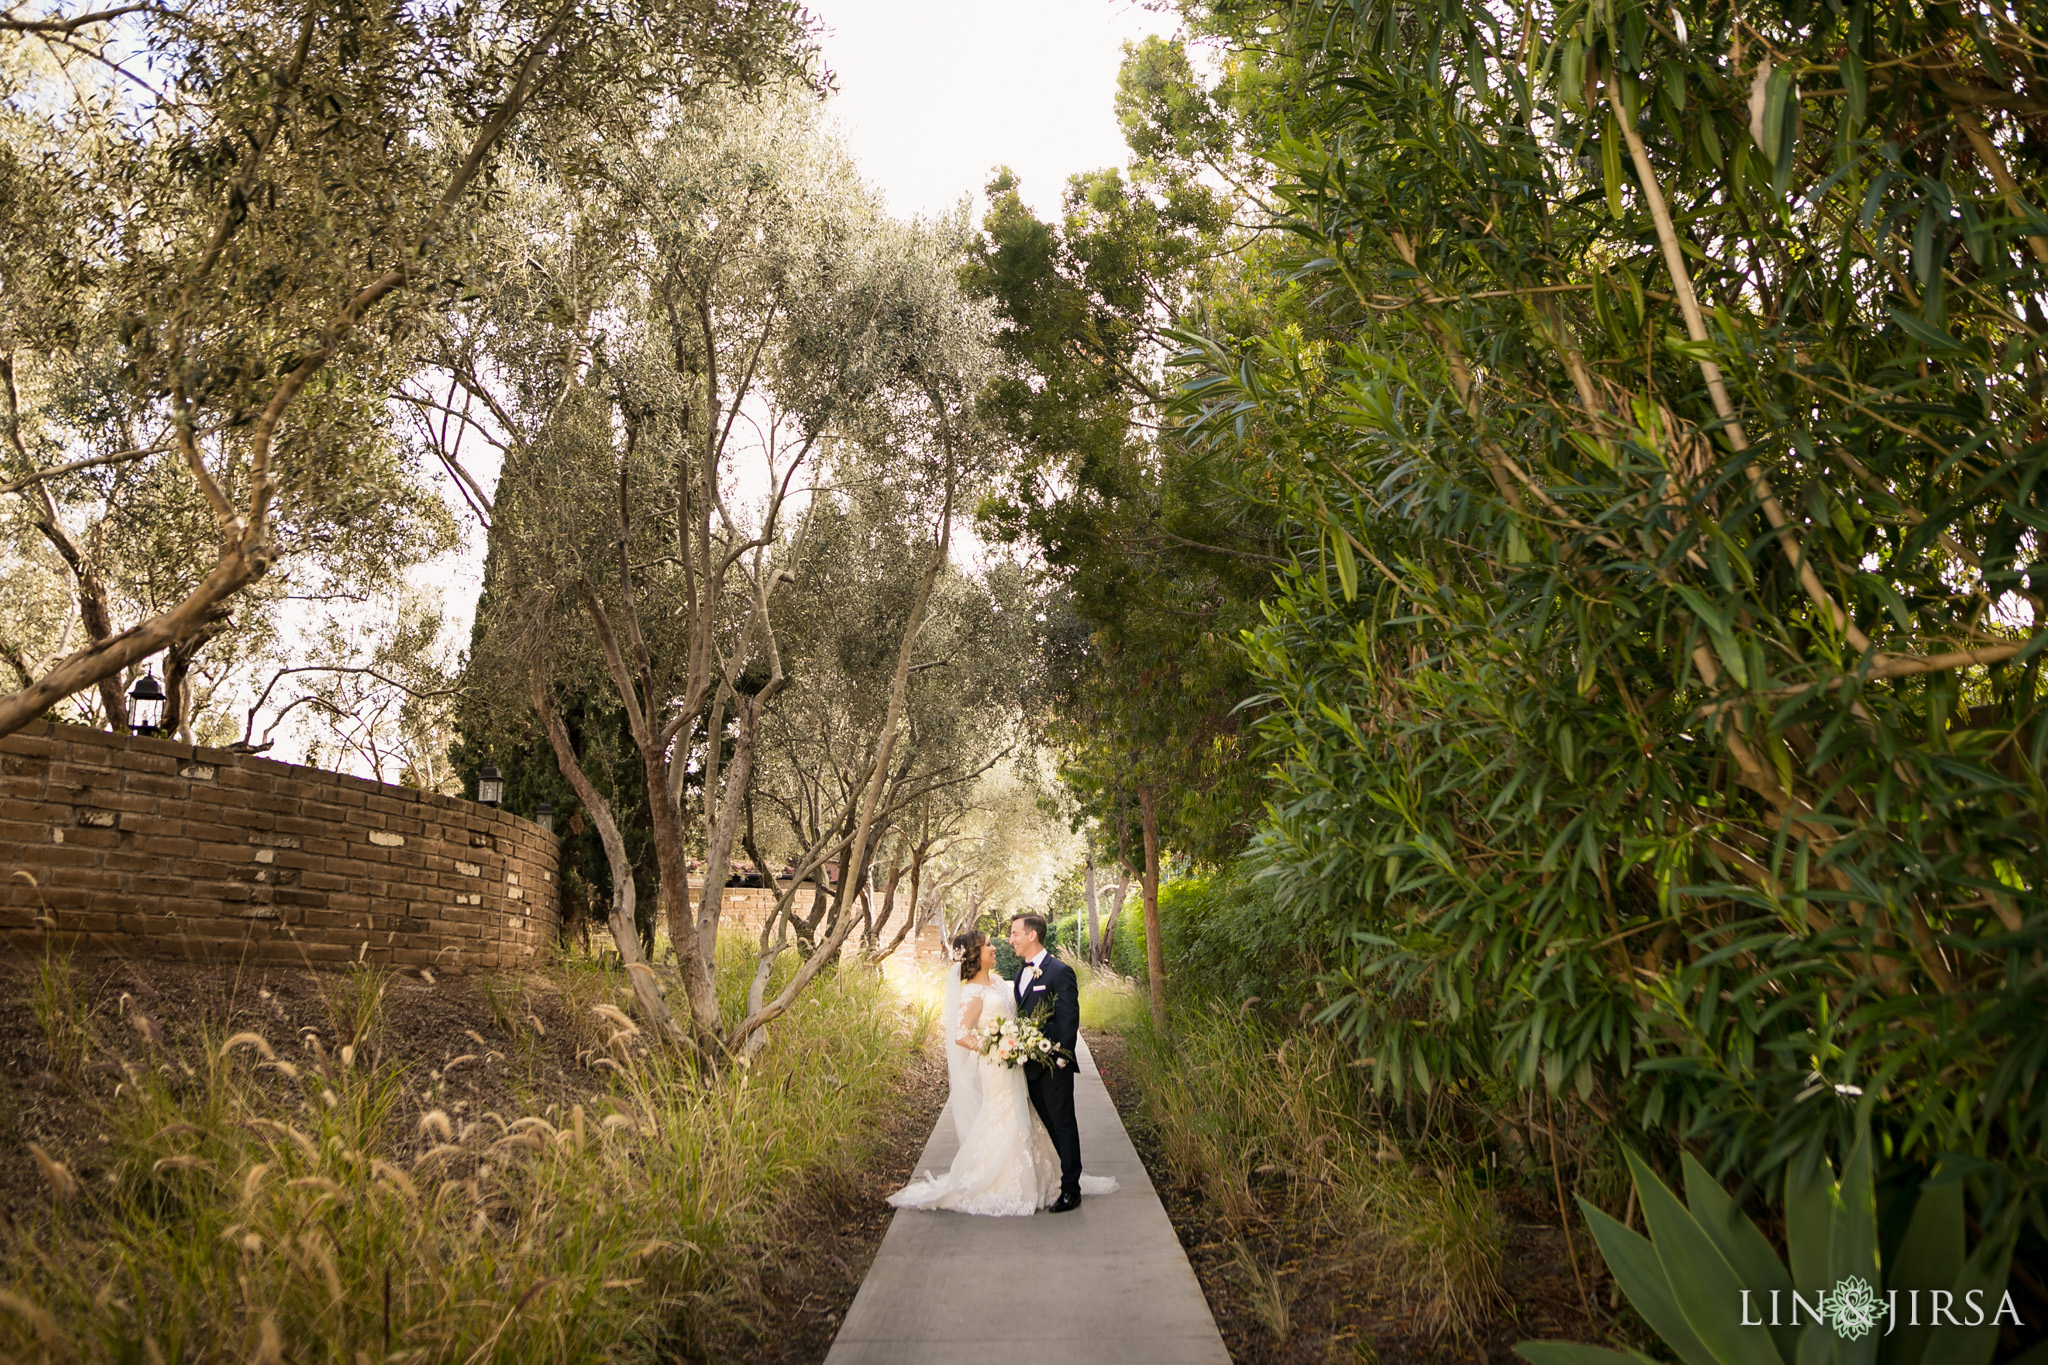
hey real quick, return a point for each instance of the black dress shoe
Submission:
(1065, 1203)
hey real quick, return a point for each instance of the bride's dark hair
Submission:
(967, 952)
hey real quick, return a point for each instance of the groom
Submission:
(1044, 981)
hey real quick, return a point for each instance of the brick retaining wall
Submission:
(149, 848)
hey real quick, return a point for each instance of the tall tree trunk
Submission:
(624, 893)
(644, 705)
(674, 868)
(1094, 916)
(722, 827)
(1116, 909)
(1155, 949)
(875, 951)
(911, 912)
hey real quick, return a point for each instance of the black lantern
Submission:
(146, 706)
(544, 816)
(490, 785)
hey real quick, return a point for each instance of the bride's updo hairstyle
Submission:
(967, 952)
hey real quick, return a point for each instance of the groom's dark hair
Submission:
(1035, 923)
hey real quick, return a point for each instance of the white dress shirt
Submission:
(1034, 962)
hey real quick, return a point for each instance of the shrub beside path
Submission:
(1105, 1283)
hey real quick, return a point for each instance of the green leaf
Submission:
(1674, 85)
(1934, 338)
(1633, 1261)
(1610, 164)
(1347, 566)
(1809, 1223)
(1856, 81)
(1984, 1274)
(1852, 1243)
(1571, 73)
(1747, 1249)
(1709, 1292)
(1930, 1257)
(1725, 645)
(1893, 603)
(1779, 102)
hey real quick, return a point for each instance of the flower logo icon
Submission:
(1853, 1309)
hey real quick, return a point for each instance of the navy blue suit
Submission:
(1052, 1087)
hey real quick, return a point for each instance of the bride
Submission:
(1006, 1165)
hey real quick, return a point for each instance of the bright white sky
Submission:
(933, 94)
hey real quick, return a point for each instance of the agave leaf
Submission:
(1816, 1344)
(1852, 1248)
(1809, 1222)
(1984, 1274)
(1747, 1249)
(1641, 1276)
(1930, 1257)
(1708, 1290)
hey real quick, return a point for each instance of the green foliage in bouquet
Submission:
(1713, 1288)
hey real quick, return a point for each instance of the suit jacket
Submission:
(1056, 985)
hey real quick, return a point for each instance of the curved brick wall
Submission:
(150, 848)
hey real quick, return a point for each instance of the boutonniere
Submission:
(1030, 973)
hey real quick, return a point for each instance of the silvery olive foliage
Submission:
(681, 372)
(225, 231)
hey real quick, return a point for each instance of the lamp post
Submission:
(490, 785)
(146, 706)
(544, 816)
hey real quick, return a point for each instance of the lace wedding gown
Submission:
(1006, 1165)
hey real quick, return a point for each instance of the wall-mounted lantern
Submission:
(544, 816)
(146, 706)
(490, 785)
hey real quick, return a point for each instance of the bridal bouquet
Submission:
(1014, 1042)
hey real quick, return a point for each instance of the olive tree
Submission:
(225, 228)
(733, 301)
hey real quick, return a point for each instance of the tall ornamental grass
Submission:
(1264, 1120)
(265, 1202)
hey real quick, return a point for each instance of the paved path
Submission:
(1107, 1284)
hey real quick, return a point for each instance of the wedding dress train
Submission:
(1006, 1166)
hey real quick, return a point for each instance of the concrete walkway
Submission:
(1104, 1285)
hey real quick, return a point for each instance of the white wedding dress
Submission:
(1006, 1166)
